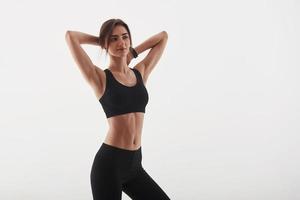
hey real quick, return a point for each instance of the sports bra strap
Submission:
(138, 75)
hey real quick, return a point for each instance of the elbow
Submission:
(165, 34)
(68, 35)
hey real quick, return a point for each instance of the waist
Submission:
(122, 150)
(123, 140)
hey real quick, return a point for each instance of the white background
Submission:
(223, 116)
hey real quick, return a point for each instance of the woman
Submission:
(122, 93)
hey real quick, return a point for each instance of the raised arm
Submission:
(89, 71)
(157, 43)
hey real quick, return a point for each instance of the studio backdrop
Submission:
(223, 118)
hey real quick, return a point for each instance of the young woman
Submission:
(123, 96)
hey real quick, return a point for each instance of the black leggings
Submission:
(115, 170)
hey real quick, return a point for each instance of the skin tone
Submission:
(124, 130)
(120, 56)
(119, 49)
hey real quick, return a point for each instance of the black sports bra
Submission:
(119, 99)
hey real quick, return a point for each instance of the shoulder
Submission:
(141, 69)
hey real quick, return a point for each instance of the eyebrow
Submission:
(117, 35)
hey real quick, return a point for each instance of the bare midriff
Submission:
(125, 131)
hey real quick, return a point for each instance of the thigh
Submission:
(105, 181)
(143, 187)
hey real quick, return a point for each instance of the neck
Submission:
(118, 64)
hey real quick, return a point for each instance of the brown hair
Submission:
(106, 31)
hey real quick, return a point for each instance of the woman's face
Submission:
(119, 42)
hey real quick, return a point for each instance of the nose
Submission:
(121, 44)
